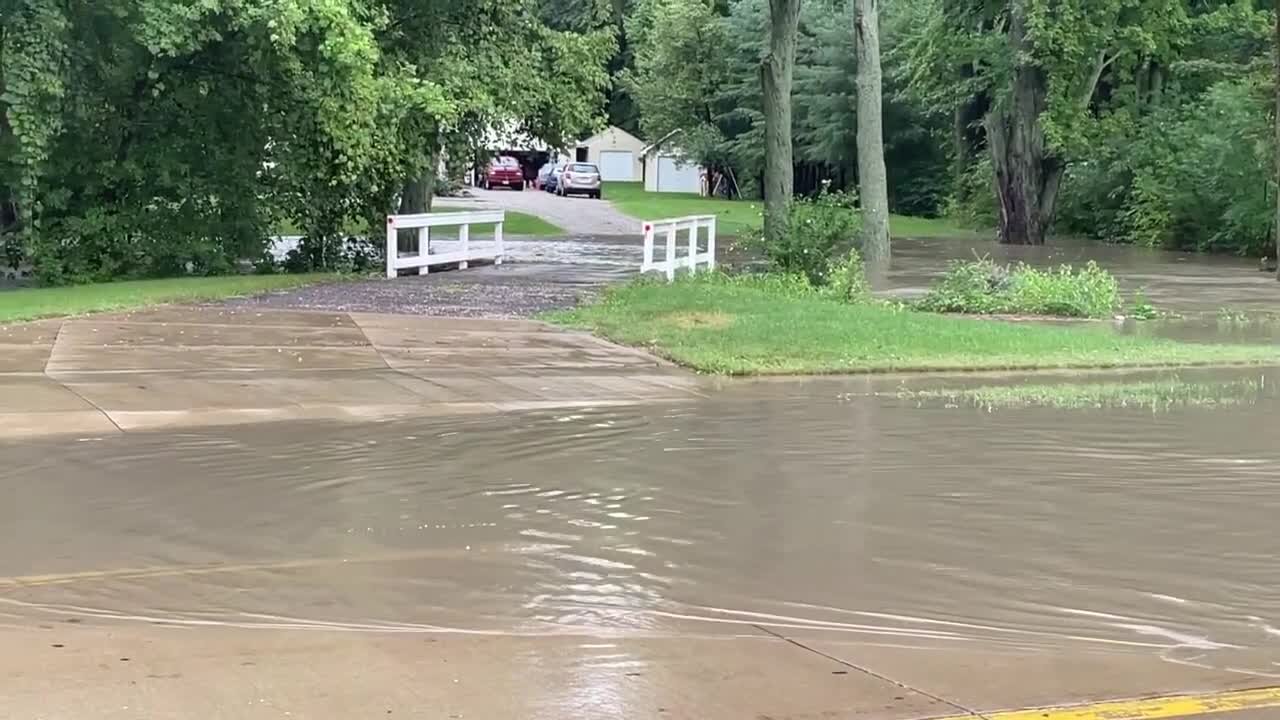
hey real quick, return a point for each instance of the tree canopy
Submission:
(153, 137)
(148, 137)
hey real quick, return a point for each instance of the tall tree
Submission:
(873, 185)
(1027, 172)
(1037, 65)
(777, 69)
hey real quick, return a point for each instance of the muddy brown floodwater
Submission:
(806, 507)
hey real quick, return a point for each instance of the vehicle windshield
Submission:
(506, 162)
(584, 168)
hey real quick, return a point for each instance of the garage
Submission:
(668, 169)
(617, 165)
(677, 176)
(615, 151)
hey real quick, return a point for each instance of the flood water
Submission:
(1172, 281)
(800, 506)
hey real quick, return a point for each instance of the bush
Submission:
(983, 287)
(847, 279)
(973, 202)
(350, 255)
(817, 229)
(1188, 176)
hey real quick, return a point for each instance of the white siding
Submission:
(614, 139)
(674, 175)
(617, 165)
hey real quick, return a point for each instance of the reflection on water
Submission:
(800, 506)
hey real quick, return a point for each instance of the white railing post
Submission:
(672, 227)
(671, 252)
(424, 248)
(711, 243)
(646, 262)
(693, 245)
(464, 235)
(393, 249)
(501, 247)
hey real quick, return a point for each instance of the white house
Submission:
(667, 170)
(616, 152)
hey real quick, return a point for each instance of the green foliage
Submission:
(983, 287)
(817, 229)
(973, 204)
(1140, 308)
(1158, 395)
(745, 326)
(697, 71)
(1192, 176)
(150, 137)
(847, 279)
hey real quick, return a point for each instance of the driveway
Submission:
(577, 215)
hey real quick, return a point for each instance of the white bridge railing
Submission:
(670, 230)
(462, 250)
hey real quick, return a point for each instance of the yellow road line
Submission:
(1176, 706)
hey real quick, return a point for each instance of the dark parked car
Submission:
(504, 172)
(552, 183)
(544, 172)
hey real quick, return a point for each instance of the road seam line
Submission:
(969, 714)
(54, 348)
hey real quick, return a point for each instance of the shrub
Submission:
(983, 287)
(817, 229)
(1140, 308)
(847, 279)
(350, 255)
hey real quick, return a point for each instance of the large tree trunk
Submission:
(1026, 173)
(873, 185)
(776, 71)
(417, 196)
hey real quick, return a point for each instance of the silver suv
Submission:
(579, 179)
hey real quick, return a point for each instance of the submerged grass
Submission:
(1157, 395)
(34, 303)
(778, 325)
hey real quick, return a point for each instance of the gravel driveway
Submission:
(601, 246)
(577, 215)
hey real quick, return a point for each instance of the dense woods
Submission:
(156, 137)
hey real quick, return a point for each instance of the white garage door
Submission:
(617, 165)
(676, 176)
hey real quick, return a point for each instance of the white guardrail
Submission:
(671, 228)
(463, 251)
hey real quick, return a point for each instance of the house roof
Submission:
(656, 145)
(611, 128)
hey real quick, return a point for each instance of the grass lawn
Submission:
(517, 223)
(747, 326)
(735, 216)
(1154, 395)
(33, 303)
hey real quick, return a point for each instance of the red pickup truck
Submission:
(504, 172)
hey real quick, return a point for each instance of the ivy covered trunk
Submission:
(873, 185)
(776, 70)
(417, 196)
(1026, 172)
